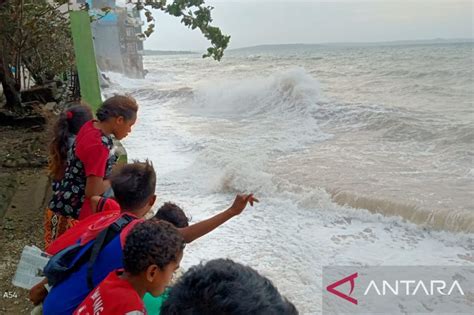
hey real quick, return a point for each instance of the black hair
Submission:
(116, 106)
(151, 242)
(173, 214)
(133, 184)
(68, 124)
(222, 286)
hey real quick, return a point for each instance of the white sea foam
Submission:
(342, 179)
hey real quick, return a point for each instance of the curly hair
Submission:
(151, 242)
(67, 125)
(133, 184)
(116, 106)
(222, 286)
(173, 214)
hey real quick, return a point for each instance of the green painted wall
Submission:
(85, 58)
(87, 65)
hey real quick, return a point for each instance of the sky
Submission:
(258, 22)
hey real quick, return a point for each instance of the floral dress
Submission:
(91, 154)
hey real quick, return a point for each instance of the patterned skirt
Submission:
(55, 225)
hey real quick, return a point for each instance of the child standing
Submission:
(91, 160)
(134, 187)
(65, 130)
(173, 214)
(152, 252)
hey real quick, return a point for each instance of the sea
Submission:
(360, 155)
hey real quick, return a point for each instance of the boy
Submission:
(134, 189)
(222, 286)
(173, 214)
(152, 252)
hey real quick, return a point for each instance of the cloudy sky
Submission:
(256, 22)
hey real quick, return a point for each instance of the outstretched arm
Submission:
(199, 229)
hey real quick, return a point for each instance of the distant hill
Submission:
(149, 52)
(358, 44)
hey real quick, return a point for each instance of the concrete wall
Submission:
(107, 46)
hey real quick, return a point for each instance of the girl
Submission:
(91, 160)
(65, 130)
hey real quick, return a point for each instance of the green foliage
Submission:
(194, 14)
(35, 36)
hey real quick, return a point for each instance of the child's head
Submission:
(121, 112)
(173, 214)
(152, 252)
(222, 286)
(67, 125)
(134, 187)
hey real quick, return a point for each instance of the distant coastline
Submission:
(151, 52)
(436, 41)
(361, 44)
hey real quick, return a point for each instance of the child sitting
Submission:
(152, 252)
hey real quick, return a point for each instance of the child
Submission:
(222, 286)
(65, 130)
(126, 182)
(92, 158)
(152, 252)
(134, 187)
(173, 214)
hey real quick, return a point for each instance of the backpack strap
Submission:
(102, 240)
(101, 204)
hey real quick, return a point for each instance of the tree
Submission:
(194, 14)
(36, 39)
(35, 36)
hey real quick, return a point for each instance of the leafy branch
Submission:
(194, 14)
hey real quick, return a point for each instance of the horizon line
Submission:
(434, 40)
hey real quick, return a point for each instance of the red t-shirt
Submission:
(112, 296)
(93, 153)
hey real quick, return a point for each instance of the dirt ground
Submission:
(24, 190)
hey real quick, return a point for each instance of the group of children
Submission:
(106, 258)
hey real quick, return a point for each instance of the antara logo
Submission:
(397, 288)
(412, 287)
(332, 288)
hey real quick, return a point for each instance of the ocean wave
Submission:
(445, 220)
(150, 94)
(293, 92)
(396, 124)
(243, 176)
